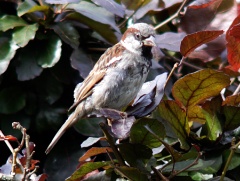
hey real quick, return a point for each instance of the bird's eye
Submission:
(137, 36)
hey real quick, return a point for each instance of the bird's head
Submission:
(138, 38)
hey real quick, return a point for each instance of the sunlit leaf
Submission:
(195, 114)
(176, 117)
(24, 7)
(121, 127)
(197, 87)
(192, 41)
(9, 22)
(212, 125)
(170, 41)
(111, 6)
(22, 35)
(61, 1)
(135, 4)
(85, 169)
(52, 52)
(210, 165)
(93, 151)
(8, 50)
(139, 134)
(90, 141)
(44, 8)
(12, 100)
(233, 39)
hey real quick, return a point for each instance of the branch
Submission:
(112, 144)
(173, 16)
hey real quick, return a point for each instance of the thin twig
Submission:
(112, 144)
(159, 174)
(189, 166)
(170, 74)
(175, 15)
(233, 149)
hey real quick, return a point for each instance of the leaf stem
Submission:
(112, 144)
(233, 148)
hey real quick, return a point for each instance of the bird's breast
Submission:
(121, 84)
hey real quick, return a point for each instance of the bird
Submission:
(116, 77)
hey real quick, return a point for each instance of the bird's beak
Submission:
(149, 42)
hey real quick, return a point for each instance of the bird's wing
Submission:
(109, 59)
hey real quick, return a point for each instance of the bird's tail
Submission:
(69, 122)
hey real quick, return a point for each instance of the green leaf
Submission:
(67, 33)
(27, 67)
(12, 100)
(234, 161)
(86, 168)
(24, 7)
(176, 117)
(22, 35)
(103, 29)
(8, 50)
(136, 155)
(52, 52)
(131, 173)
(208, 166)
(232, 115)
(45, 9)
(213, 125)
(139, 134)
(200, 176)
(197, 87)
(9, 22)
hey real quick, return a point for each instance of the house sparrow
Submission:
(116, 78)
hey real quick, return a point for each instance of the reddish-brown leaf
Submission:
(8, 137)
(199, 15)
(232, 100)
(94, 151)
(192, 41)
(233, 44)
(235, 22)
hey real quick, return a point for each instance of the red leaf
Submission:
(233, 44)
(94, 151)
(8, 137)
(192, 41)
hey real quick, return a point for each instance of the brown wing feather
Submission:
(97, 73)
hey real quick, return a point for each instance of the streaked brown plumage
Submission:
(116, 78)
